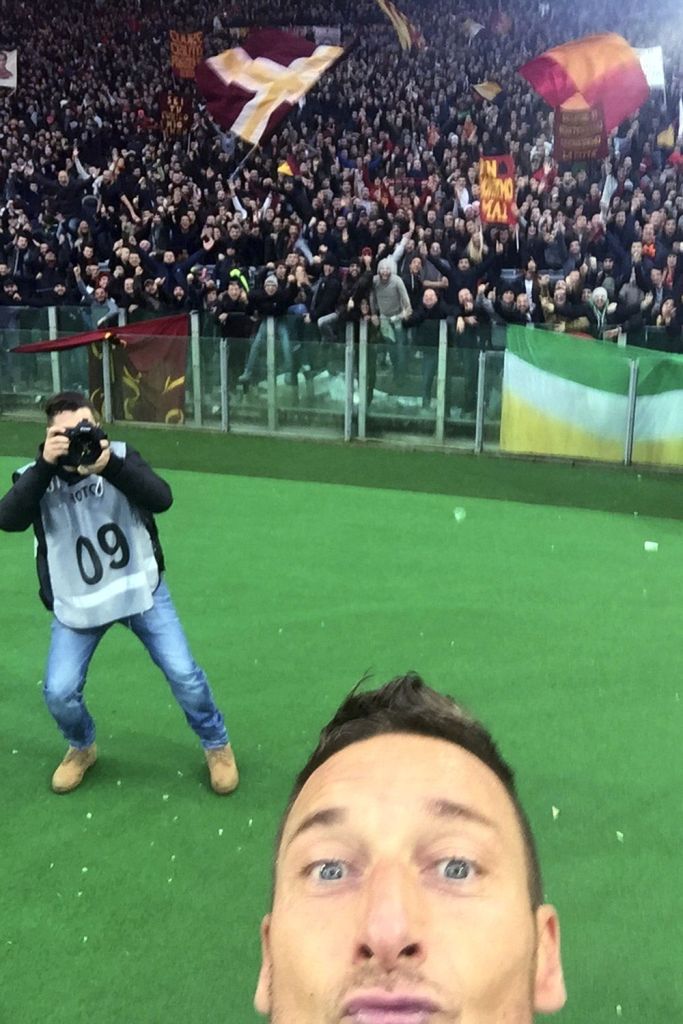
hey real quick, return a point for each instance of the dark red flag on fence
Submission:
(147, 362)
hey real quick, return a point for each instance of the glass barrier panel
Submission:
(247, 372)
(493, 399)
(402, 370)
(25, 378)
(462, 376)
(661, 339)
(210, 373)
(72, 320)
(74, 368)
(33, 322)
(310, 375)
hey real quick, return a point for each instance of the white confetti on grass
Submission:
(220, 831)
(556, 813)
(459, 514)
(89, 815)
(84, 871)
(173, 856)
(618, 1009)
(165, 796)
(651, 545)
(15, 751)
(251, 822)
(85, 938)
(620, 837)
(118, 782)
(169, 880)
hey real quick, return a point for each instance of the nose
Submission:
(391, 932)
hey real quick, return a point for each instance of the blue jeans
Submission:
(160, 631)
(259, 344)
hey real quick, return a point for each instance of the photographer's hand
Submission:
(101, 463)
(56, 445)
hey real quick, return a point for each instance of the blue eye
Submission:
(330, 871)
(456, 869)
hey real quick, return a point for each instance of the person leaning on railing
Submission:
(271, 301)
(424, 324)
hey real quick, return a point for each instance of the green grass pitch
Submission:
(138, 897)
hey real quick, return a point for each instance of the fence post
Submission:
(481, 384)
(196, 367)
(223, 353)
(631, 411)
(54, 356)
(441, 382)
(106, 382)
(362, 380)
(348, 371)
(270, 370)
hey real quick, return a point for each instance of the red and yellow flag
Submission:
(409, 35)
(252, 87)
(600, 70)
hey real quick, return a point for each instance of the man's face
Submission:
(100, 295)
(430, 298)
(523, 302)
(415, 265)
(402, 895)
(385, 274)
(233, 291)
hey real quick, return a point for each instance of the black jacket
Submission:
(20, 507)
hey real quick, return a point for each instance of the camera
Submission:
(84, 444)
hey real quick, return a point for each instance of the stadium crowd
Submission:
(380, 223)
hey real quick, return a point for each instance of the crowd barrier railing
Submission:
(370, 379)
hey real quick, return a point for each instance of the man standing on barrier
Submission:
(92, 504)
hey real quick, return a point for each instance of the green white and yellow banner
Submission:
(567, 396)
(658, 434)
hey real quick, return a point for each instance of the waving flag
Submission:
(598, 70)
(409, 35)
(489, 90)
(472, 28)
(251, 88)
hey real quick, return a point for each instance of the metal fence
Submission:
(427, 385)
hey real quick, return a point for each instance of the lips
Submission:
(390, 1008)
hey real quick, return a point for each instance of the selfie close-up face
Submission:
(402, 896)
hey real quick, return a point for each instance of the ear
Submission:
(262, 1001)
(550, 994)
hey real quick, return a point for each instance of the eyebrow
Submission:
(449, 810)
(438, 808)
(319, 819)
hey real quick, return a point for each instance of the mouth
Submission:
(390, 1008)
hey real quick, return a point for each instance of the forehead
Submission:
(388, 787)
(70, 419)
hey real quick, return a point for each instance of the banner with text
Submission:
(187, 50)
(497, 189)
(580, 135)
(175, 114)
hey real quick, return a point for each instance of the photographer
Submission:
(99, 561)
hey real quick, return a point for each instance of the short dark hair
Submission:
(67, 401)
(407, 705)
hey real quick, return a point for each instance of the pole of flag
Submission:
(243, 162)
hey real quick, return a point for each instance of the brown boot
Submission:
(70, 772)
(222, 769)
